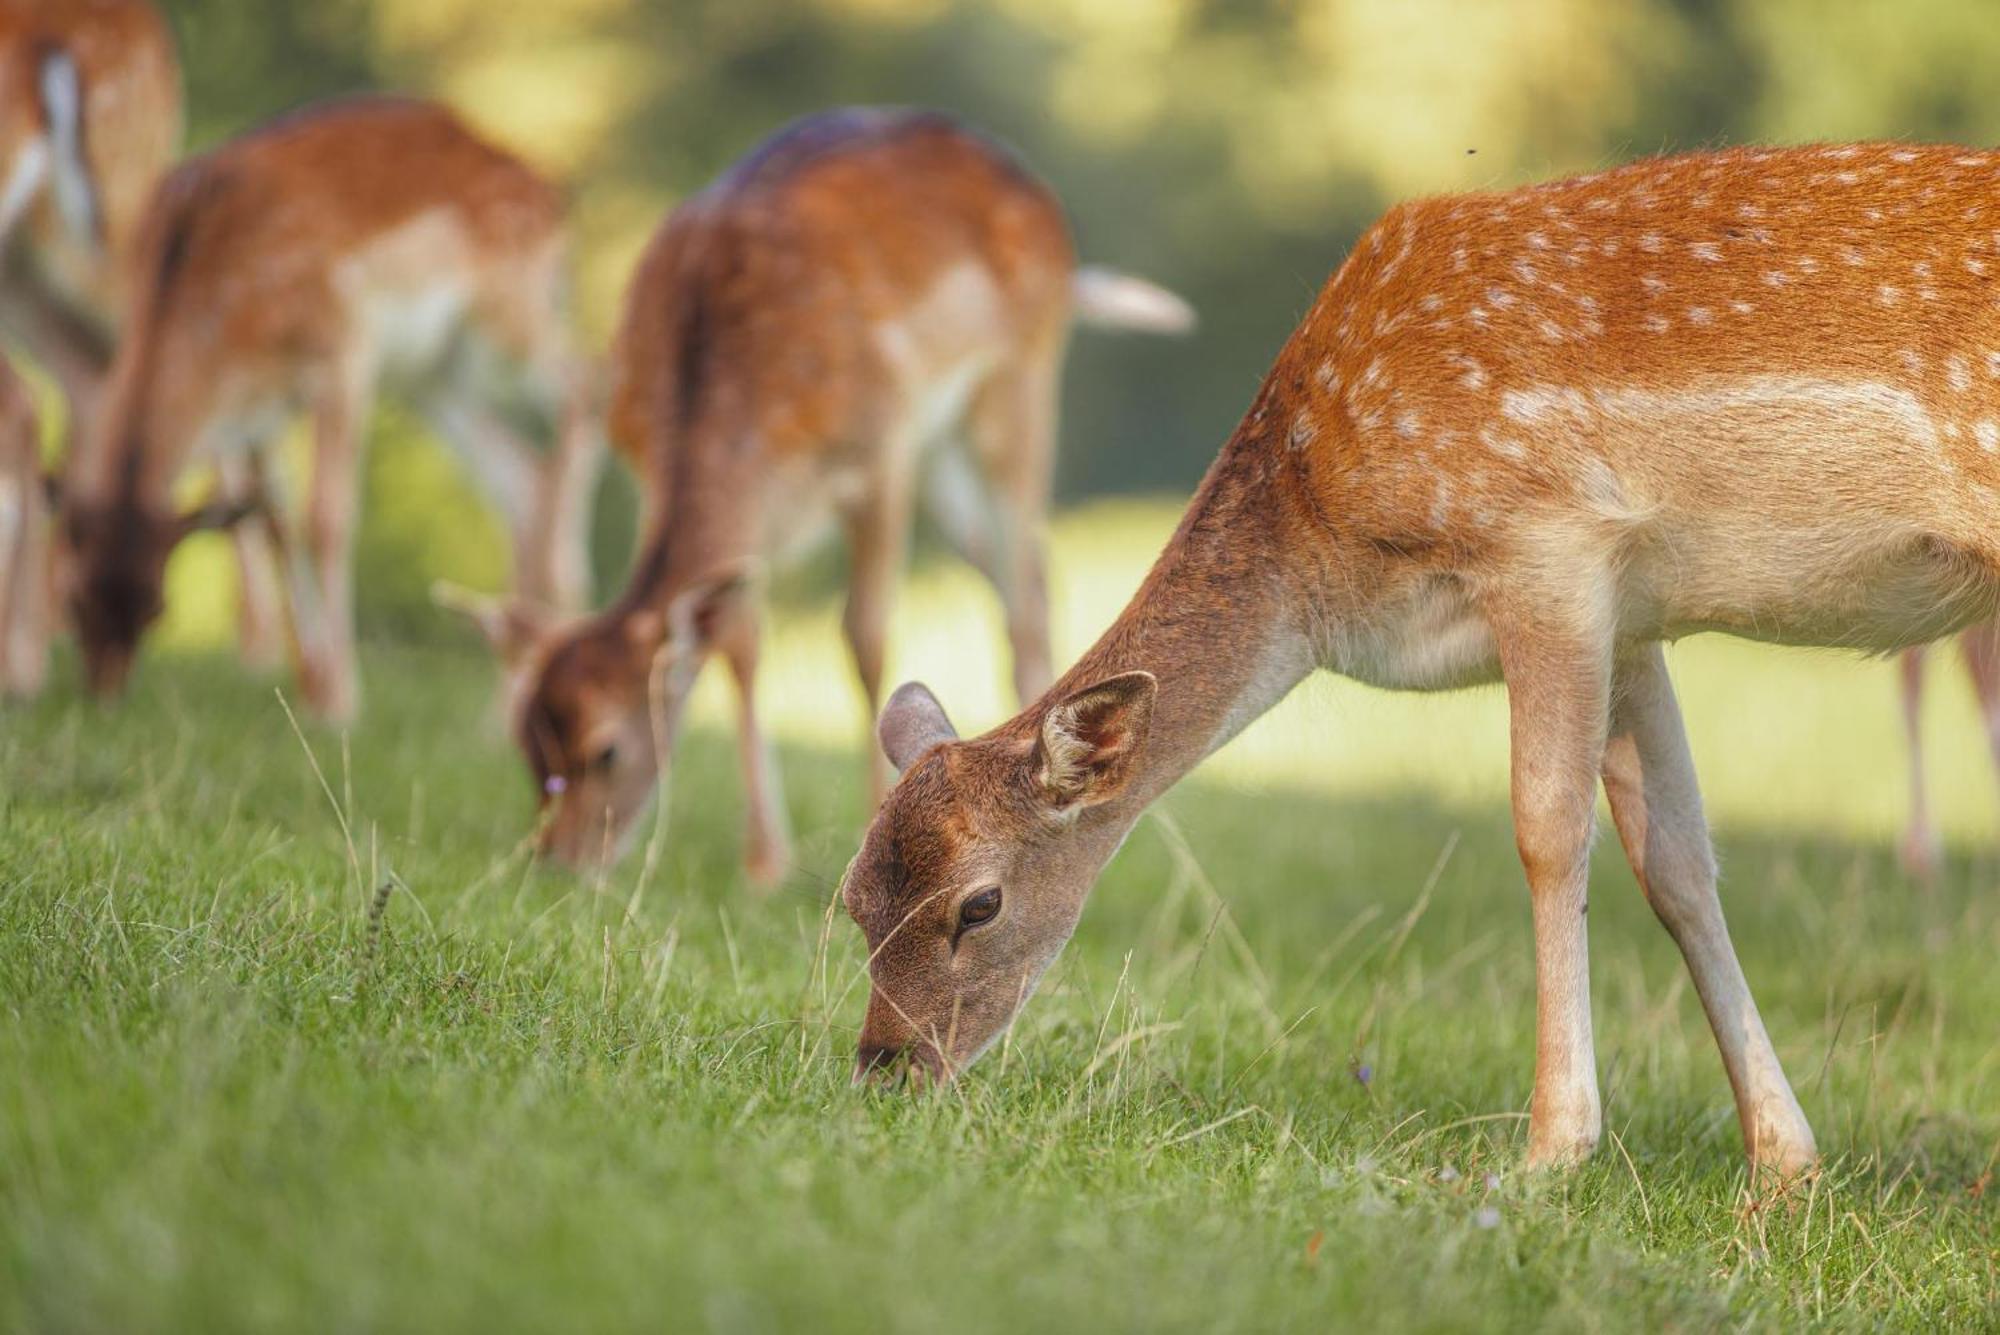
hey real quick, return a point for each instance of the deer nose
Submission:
(877, 1061)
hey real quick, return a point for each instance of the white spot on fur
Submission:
(1706, 251)
(1958, 372)
(1652, 243)
(1700, 315)
(1988, 433)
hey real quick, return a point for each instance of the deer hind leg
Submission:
(767, 836)
(505, 466)
(1981, 644)
(1012, 425)
(1920, 848)
(1656, 804)
(878, 532)
(560, 554)
(326, 650)
(260, 625)
(1558, 686)
(26, 549)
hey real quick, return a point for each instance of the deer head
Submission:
(600, 706)
(114, 561)
(974, 871)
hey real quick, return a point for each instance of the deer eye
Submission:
(979, 908)
(602, 762)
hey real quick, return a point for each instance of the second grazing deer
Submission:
(871, 303)
(1523, 436)
(364, 242)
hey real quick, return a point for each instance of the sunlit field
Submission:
(1278, 1079)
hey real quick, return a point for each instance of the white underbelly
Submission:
(1828, 587)
(411, 330)
(1434, 639)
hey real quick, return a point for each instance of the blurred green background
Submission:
(1232, 150)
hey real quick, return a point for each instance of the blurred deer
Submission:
(360, 243)
(1523, 437)
(1980, 644)
(873, 303)
(90, 118)
(24, 543)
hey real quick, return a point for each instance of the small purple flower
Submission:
(1488, 1217)
(554, 785)
(1364, 1073)
(1493, 1181)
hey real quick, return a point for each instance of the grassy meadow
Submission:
(1277, 1080)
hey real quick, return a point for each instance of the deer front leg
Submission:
(332, 689)
(1557, 692)
(767, 842)
(1920, 841)
(260, 624)
(877, 536)
(559, 552)
(1656, 804)
(1013, 428)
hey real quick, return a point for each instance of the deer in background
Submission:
(365, 242)
(873, 303)
(1529, 437)
(1922, 849)
(90, 119)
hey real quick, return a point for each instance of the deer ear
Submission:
(1091, 740)
(697, 613)
(512, 626)
(912, 723)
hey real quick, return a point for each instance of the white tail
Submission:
(1108, 299)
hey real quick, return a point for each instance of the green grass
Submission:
(560, 1103)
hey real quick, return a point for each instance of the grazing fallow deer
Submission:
(364, 242)
(1527, 436)
(24, 543)
(871, 303)
(1981, 645)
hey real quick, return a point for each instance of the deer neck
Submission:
(1220, 622)
(702, 516)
